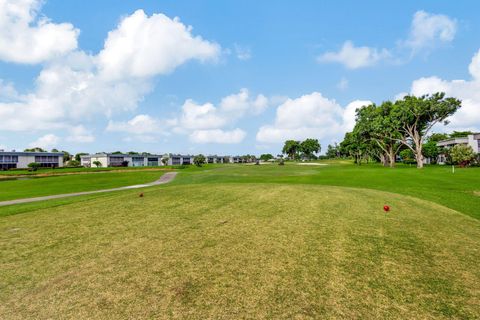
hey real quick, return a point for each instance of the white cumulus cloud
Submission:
(140, 124)
(78, 86)
(428, 30)
(27, 38)
(143, 46)
(80, 134)
(353, 57)
(309, 116)
(468, 116)
(46, 142)
(218, 136)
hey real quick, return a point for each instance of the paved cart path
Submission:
(166, 178)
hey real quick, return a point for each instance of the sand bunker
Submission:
(312, 164)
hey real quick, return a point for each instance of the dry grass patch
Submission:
(241, 251)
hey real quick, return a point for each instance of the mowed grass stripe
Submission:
(238, 250)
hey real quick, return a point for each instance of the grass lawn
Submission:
(459, 190)
(36, 187)
(66, 170)
(241, 251)
(238, 241)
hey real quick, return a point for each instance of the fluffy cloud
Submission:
(239, 104)
(200, 116)
(143, 46)
(427, 30)
(349, 113)
(140, 124)
(207, 116)
(310, 116)
(80, 134)
(202, 123)
(46, 142)
(468, 117)
(25, 38)
(78, 86)
(355, 57)
(70, 90)
(217, 136)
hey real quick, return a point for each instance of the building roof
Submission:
(27, 153)
(458, 140)
(104, 154)
(451, 141)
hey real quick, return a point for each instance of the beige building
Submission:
(472, 140)
(20, 160)
(122, 160)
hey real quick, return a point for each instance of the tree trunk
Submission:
(383, 159)
(391, 156)
(419, 155)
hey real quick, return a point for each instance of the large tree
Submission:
(291, 148)
(355, 146)
(376, 123)
(266, 157)
(332, 151)
(79, 155)
(309, 147)
(415, 116)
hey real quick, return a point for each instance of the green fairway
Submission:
(241, 251)
(36, 187)
(246, 241)
(459, 190)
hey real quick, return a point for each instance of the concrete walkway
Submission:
(166, 178)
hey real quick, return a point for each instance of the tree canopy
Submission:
(382, 131)
(291, 148)
(310, 146)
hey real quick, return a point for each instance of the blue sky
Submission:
(230, 77)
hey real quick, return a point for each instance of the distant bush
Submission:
(199, 160)
(281, 162)
(33, 166)
(73, 163)
(462, 154)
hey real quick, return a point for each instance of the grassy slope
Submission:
(434, 183)
(16, 189)
(238, 251)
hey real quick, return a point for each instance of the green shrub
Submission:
(199, 160)
(462, 154)
(33, 166)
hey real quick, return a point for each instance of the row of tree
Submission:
(381, 131)
(301, 149)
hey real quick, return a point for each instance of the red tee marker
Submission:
(386, 208)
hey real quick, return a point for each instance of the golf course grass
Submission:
(260, 242)
(45, 186)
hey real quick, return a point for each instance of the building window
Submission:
(47, 161)
(8, 159)
(116, 161)
(175, 160)
(137, 161)
(152, 162)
